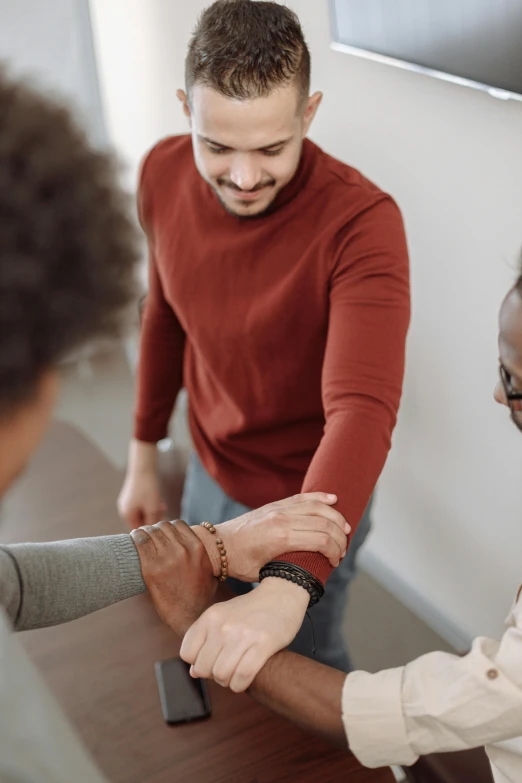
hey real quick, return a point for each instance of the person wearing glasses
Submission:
(438, 702)
(505, 393)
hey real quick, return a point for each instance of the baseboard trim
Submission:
(422, 608)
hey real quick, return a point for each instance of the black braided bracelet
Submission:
(297, 575)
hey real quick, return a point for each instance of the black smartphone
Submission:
(183, 698)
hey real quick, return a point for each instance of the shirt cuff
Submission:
(150, 430)
(130, 578)
(313, 562)
(374, 720)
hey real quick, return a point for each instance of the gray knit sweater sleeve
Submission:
(48, 584)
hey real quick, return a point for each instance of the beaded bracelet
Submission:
(297, 575)
(223, 560)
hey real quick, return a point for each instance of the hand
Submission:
(140, 501)
(177, 572)
(303, 523)
(232, 641)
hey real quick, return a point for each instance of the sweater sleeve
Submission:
(53, 583)
(363, 366)
(162, 343)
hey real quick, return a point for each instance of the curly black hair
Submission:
(68, 244)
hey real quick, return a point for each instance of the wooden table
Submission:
(102, 667)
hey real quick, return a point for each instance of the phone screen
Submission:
(183, 698)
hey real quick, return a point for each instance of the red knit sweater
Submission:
(288, 330)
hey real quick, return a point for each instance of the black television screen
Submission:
(476, 42)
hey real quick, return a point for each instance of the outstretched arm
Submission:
(52, 583)
(305, 692)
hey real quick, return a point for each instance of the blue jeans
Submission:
(203, 499)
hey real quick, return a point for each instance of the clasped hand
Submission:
(231, 641)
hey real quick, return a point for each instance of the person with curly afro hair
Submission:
(68, 261)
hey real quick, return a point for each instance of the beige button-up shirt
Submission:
(441, 702)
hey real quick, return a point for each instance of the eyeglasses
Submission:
(514, 398)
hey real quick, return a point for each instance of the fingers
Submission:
(162, 534)
(231, 642)
(235, 666)
(313, 541)
(195, 639)
(313, 503)
(185, 534)
(315, 509)
(151, 539)
(248, 668)
(215, 649)
(303, 497)
(227, 662)
(315, 534)
(207, 656)
(236, 657)
(144, 543)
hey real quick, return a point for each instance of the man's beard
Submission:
(241, 215)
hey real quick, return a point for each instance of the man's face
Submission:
(510, 351)
(22, 429)
(248, 150)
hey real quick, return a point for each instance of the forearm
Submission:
(363, 366)
(53, 583)
(305, 693)
(348, 464)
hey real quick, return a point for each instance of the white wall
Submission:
(140, 47)
(51, 43)
(448, 535)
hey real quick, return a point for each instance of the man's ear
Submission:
(312, 105)
(183, 97)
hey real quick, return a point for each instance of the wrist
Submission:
(226, 534)
(209, 542)
(294, 595)
(143, 456)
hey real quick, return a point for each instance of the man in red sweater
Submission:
(279, 298)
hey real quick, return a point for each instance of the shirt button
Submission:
(492, 674)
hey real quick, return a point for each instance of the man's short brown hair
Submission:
(244, 49)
